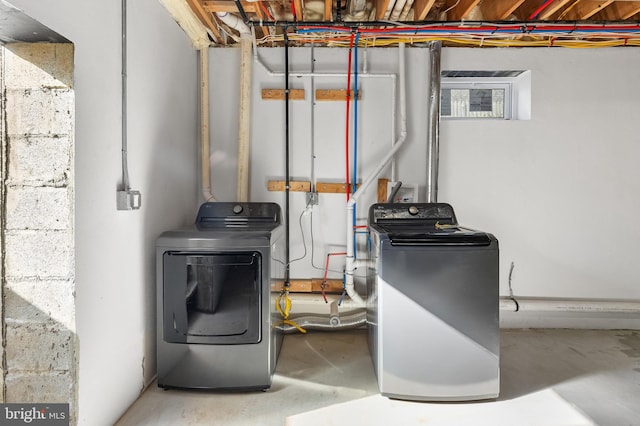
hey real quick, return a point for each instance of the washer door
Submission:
(212, 298)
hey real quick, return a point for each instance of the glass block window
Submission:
(475, 101)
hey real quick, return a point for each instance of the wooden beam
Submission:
(332, 188)
(294, 186)
(382, 190)
(381, 8)
(527, 8)
(463, 8)
(205, 17)
(261, 15)
(421, 9)
(335, 94)
(499, 10)
(553, 8)
(618, 11)
(278, 94)
(213, 6)
(313, 285)
(298, 6)
(586, 9)
(328, 6)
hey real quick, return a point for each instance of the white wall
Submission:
(115, 250)
(559, 191)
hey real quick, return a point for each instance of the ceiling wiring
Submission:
(574, 35)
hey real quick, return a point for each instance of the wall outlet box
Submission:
(128, 200)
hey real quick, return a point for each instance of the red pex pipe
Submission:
(539, 10)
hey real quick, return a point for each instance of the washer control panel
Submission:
(426, 212)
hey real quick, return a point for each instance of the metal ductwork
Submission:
(433, 147)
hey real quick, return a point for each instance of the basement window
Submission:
(502, 95)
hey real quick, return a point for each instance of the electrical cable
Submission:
(304, 244)
(539, 10)
(511, 289)
(265, 10)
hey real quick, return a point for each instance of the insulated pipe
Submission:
(405, 10)
(433, 146)
(351, 263)
(303, 304)
(204, 125)
(324, 323)
(397, 10)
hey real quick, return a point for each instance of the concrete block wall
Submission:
(40, 347)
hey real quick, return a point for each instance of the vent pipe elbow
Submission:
(234, 22)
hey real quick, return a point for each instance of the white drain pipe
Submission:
(351, 263)
(526, 304)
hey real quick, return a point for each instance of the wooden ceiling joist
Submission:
(421, 8)
(585, 9)
(499, 10)
(298, 6)
(206, 18)
(213, 6)
(463, 8)
(619, 10)
(553, 8)
(381, 8)
(328, 5)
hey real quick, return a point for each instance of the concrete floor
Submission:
(548, 377)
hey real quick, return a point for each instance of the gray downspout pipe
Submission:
(433, 146)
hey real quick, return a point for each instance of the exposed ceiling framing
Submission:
(577, 23)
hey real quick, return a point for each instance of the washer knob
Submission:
(413, 210)
(237, 209)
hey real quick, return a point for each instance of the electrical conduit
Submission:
(351, 263)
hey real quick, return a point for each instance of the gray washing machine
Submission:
(216, 312)
(433, 305)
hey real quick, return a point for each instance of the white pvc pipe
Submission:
(314, 304)
(351, 263)
(569, 305)
(204, 126)
(234, 22)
